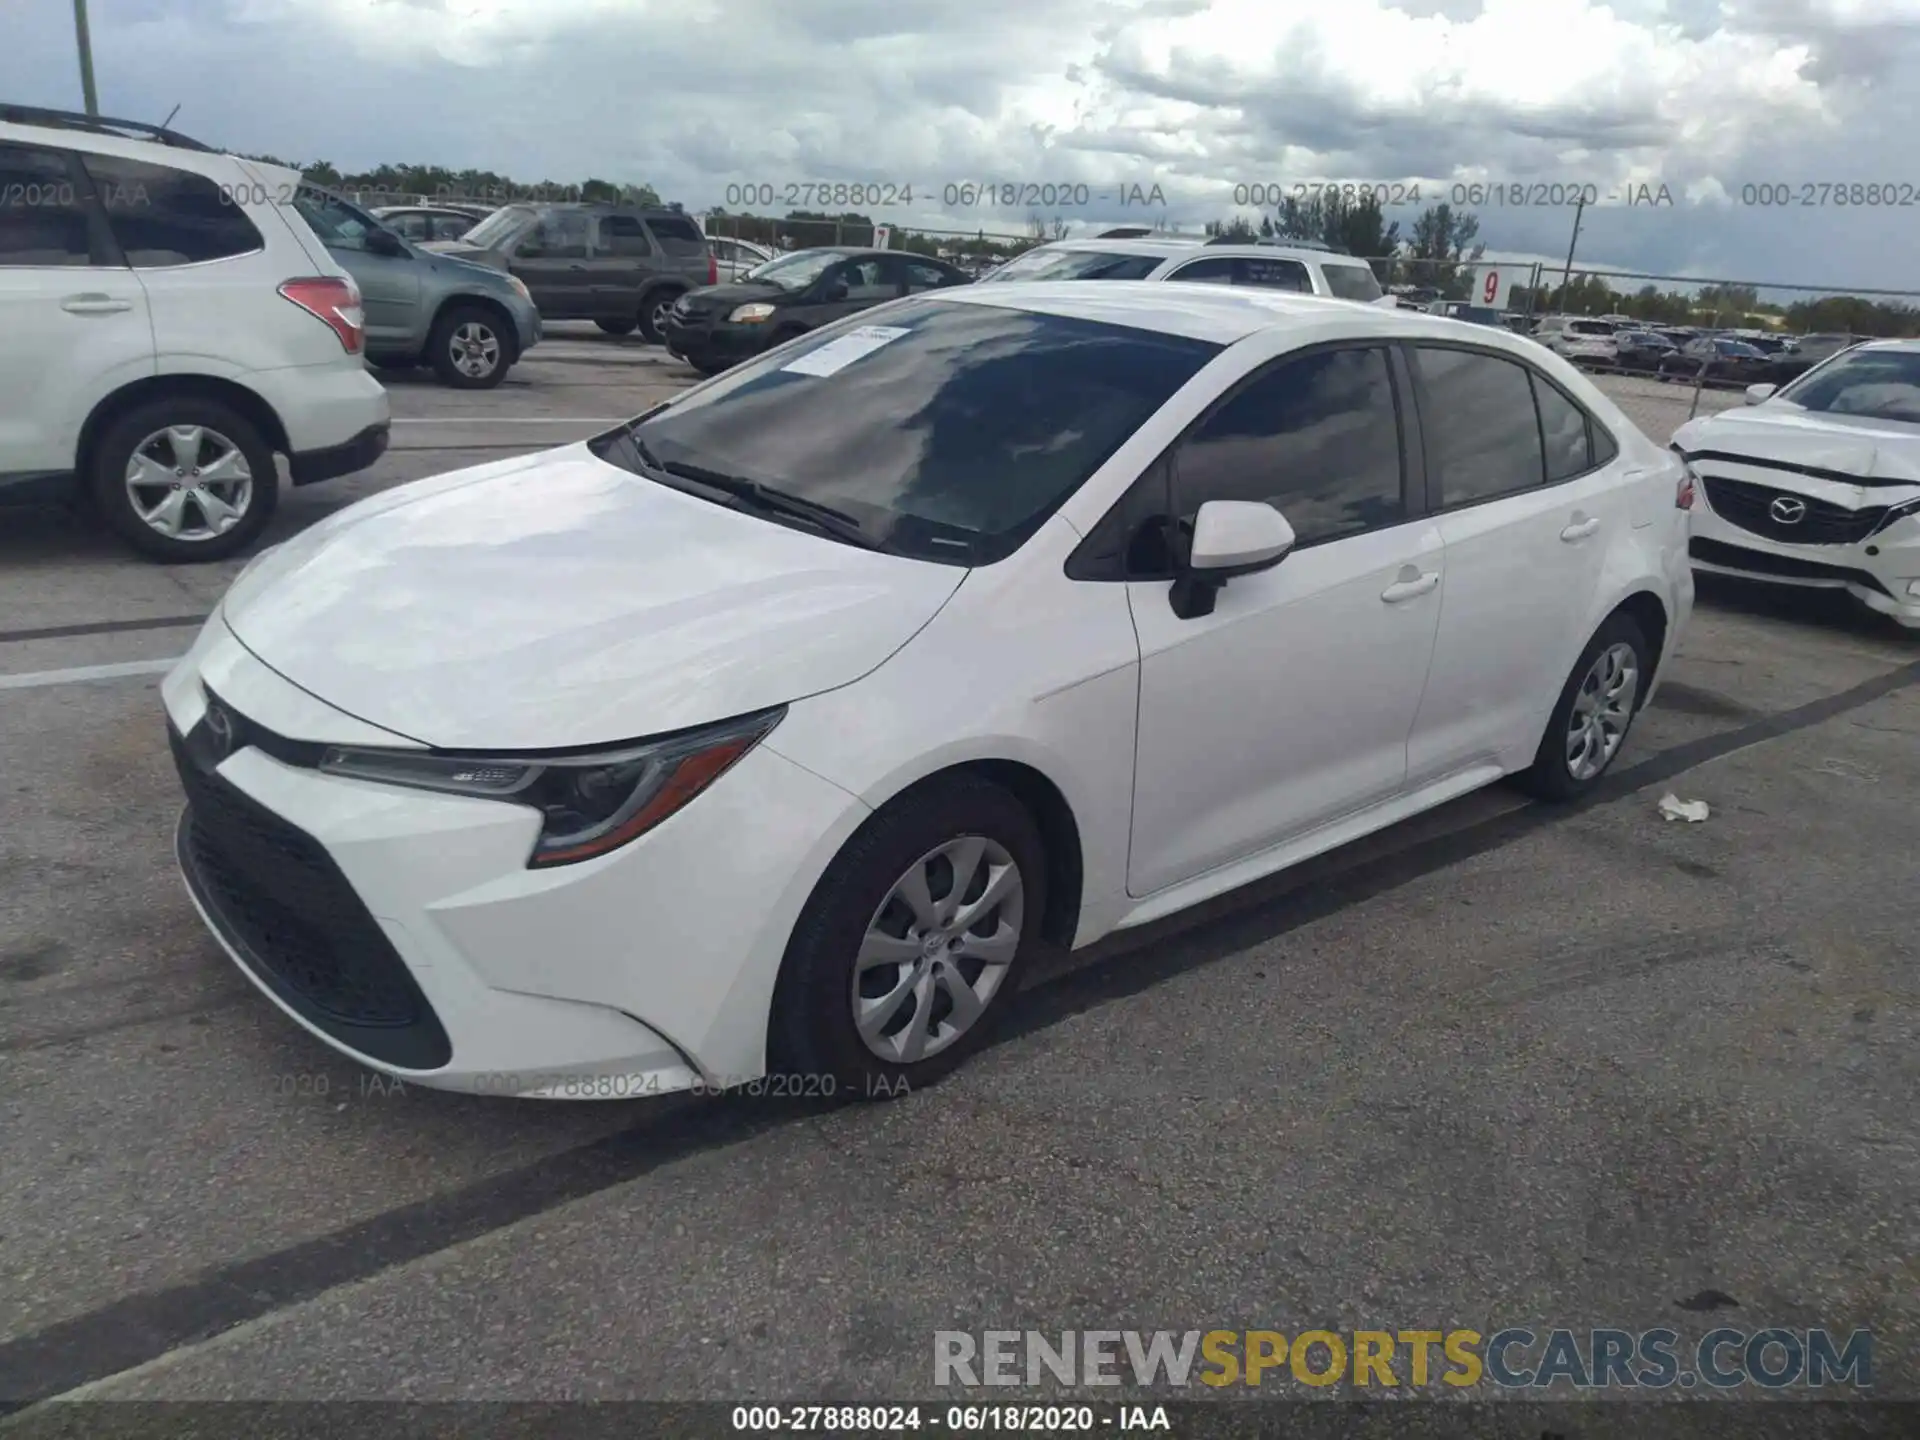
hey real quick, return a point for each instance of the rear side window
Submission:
(678, 235)
(1215, 271)
(1077, 265)
(1352, 282)
(1481, 425)
(1317, 437)
(1273, 274)
(1563, 429)
(410, 223)
(623, 235)
(43, 218)
(161, 216)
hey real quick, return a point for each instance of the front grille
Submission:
(279, 899)
(1787, 567)
(1750, 506)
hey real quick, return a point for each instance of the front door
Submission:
(551, 261)
(1289, 706)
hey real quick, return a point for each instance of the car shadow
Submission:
(1805, 607)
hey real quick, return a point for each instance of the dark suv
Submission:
(621, 266)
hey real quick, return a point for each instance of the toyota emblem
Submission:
(220, 730)
(1787, 510)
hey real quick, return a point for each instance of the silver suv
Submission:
(1270, 267)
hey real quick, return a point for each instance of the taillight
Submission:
(336, 303)
(1683, 492)
(713, 269)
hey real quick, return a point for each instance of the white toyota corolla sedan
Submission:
(1818, 484)
(770, 732)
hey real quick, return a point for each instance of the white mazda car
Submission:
(1818, 484)
(768, 734)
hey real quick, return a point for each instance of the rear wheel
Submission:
(617, 327)
(468, 349)
(909, 949)
(1595, 711)
(184, 479)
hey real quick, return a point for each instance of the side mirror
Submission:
(385, 242)
(1757, 393)
(1230, 538)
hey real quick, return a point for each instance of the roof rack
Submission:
(100, 125)
(1126, 232)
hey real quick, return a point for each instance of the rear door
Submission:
(622, 259)
(74, 320)
(1529, 497)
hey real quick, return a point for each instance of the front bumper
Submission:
(715, 343)
(404, 929)
(306, 467)
(1880, 570)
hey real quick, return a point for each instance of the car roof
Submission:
(1900, 347)
(1222, 314)
(1176, 246)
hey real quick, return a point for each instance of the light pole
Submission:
(86, 56)
(1566, 275)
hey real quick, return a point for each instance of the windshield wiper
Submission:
(753, 495)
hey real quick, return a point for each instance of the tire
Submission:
(394, 362)
(617, 327)
(813, 1036)
(163, 439)
(1554, 774)
(653, 313)
(469, 348)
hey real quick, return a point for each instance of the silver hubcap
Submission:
(937, 949)
(475, 349)
(189, 483)
(1602, 710)
(661, 309)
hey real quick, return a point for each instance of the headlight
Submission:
(751, 314)
(590, 804)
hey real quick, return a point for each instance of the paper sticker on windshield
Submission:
(834, 356)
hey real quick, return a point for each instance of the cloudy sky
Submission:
(1704, 97)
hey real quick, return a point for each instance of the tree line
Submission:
(1438, 251)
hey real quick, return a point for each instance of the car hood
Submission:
(1854, 448)
(737, 292)
(554, 601)
(460, 250)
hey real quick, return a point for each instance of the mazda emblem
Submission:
(1787, 510)
(219, 731)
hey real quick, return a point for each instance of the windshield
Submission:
(508, 220)
(1046, 264)
(796, 271)
(1352, 282)
(1877, 384)
(338, 224)
(946, 431)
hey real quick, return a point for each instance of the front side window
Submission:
(560, 235)
(411, 224)
(43, 214)
(950, 432)
(163, 216)
(1479, 418)
(1317, 437)
(1875, 384)
(1352, 282)
(868, 280)
(1044, 264)
(922, 276)
(797, 271)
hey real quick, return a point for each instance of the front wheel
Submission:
(653, 315)
(910, 947)
(1595, 711)
(184, 479)
(468, 348)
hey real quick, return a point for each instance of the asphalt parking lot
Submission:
(1502, 1066)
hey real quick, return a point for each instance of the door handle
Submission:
(1410, 588)
(94, 305)
(1579, 530)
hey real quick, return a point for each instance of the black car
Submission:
(1717, 358)
(1642, 349)
(1808, 351)
(722, 325)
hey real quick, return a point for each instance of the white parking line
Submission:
(38, 679)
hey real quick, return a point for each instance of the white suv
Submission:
(171, 325)
(1581, 340)
(1298, 268)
